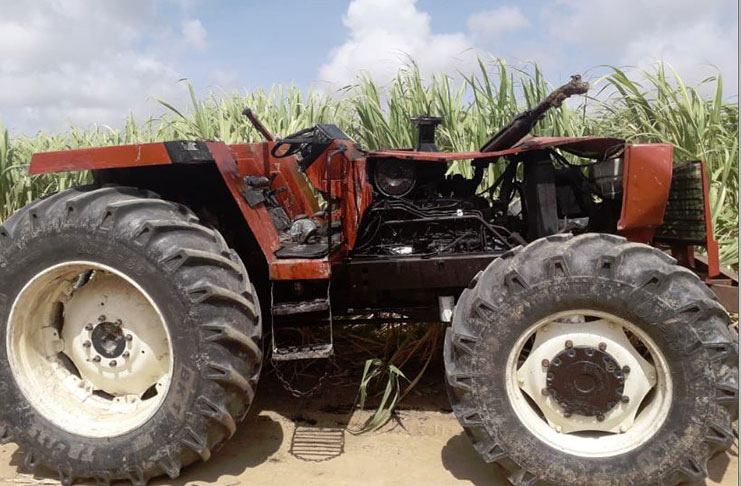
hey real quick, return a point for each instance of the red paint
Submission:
(647, 177)
(712, 244)
(597, 147)
(139, 155)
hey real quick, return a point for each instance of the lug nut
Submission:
(569, 344)
(118, 322)
(88, 327)
(545, 363)
(96, 359)
(625, 399)
(600, 417)
(626, 369)
(86, 344)
(129, 337)
(125, 354)
(101, 318)
(602, 346)
(112, 363)
(567, 413)
(545, 392)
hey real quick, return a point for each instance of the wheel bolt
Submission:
(112, 363)
(625, 399)
(129, 337)
(626, 369)
(602, 346)
(96, 359)
(545, 363)
(125, 354)
(567, 413)
(118, 322)
(86, 344)
(88, 327)
(545, 392)
(569, 344)
(600, 417)
(101, 318)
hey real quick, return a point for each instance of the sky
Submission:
(86, 62)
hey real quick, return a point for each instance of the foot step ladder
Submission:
(295, 313)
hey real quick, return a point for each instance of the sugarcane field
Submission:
(372, 242)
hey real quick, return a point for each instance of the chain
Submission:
(302, 393)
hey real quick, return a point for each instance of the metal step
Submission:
(312, 351)
(289, 308)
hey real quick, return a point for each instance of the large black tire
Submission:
(209, 307)
(633, 281)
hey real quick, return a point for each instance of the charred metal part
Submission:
(394, 178)
(254, 192)
(413, 272)
(399, 227)
(188, 152)
(302, 229)
(586, 381)
(258, 124)
(426, 126)
(523, 123)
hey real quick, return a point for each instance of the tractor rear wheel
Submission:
(590, 360)
(131, 336)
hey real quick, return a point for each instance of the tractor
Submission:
(587, 344)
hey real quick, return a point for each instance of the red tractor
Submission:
(586, 347)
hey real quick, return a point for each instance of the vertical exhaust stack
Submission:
(426, 126)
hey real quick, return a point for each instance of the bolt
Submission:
(112, 363)
(625, 399)
(96, 359)
(623, 429)
(569, 344)
(545, 363)
(118, 322)
(125, 354)
(545, 392)
(600, 417)
(567, 413)
(88, 327)
(101, 318)
(558, 429)
(626, 369)
(86, 344)
(129, 337)
(602, 346)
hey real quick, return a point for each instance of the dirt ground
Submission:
(283, 437)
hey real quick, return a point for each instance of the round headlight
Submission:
(394, 178)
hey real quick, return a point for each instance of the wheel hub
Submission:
(108, 339)
(585, 380)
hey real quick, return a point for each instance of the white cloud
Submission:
(82, 62)
(492, 23)
(640, 33)
(194, 35)
(383, 34)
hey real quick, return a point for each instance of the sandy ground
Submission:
(424, 446)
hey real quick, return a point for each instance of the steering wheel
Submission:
(296, 142)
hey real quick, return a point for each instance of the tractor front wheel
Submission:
(590, 360)
(131, 336)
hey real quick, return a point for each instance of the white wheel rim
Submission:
(89, 349)
(622, 428)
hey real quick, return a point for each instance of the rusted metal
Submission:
(592, 147)
(258, 125)
(646, 182)
(139, 155)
